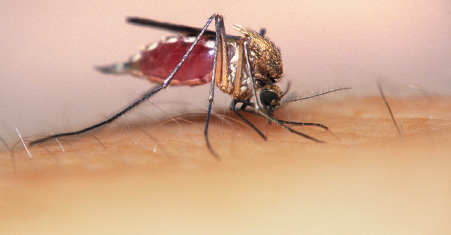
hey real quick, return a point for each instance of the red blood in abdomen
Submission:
(160, 61)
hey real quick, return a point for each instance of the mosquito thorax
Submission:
(264, 57)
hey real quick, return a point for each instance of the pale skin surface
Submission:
(163, 179)
(370, 182)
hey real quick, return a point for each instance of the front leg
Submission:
(305, 124)
(246, 103)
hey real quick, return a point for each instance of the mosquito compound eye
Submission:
(269, 99)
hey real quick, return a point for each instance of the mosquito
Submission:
(245, 67)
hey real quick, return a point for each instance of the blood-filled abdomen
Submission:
(158, 60)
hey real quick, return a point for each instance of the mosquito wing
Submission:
(183, 29)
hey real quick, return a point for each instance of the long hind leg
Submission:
(146, 96)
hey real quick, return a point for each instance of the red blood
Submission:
(158, 63)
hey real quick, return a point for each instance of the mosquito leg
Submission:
(305, 124)
(245, 102)
(220, 70)
(250, 104)
(219, 43)
(140, 100)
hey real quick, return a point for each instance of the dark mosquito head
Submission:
(270, 96)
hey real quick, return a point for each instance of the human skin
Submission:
(162, 178)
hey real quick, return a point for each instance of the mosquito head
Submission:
(270, 96)
(264, 57)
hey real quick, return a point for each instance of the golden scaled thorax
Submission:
(264, 56)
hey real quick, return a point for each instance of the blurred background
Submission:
(49, 50)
